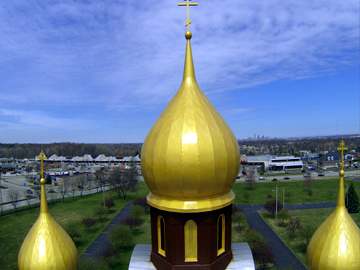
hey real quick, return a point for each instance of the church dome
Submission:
(47, 245)
(336, 243)
(190, 158)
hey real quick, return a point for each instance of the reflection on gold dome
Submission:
(190, 157)
(336, 243)
(47, 245)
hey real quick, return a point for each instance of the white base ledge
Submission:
(242, 258)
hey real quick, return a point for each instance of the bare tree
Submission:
(14, 197)
(99, 179)
(73, 186)
(308, 183)
(1, 197)
(64, 188)
(132, 175)
(250, 178)
(28, 197)
(123, 180)
(82, 182)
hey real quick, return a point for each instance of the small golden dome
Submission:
(190, 158)
(47, 245)
(336, 243)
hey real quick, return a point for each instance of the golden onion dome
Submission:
(47, 245)
(190, 158)
(336, 243)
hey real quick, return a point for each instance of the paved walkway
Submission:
(283, 257)
(101, 244)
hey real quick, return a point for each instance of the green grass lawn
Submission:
(142, 235)
(311, 218)
(322, 190)
(14, 226)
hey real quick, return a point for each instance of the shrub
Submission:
(73, 230)
(283, 214)
(88, 222)
(270, 206)
(352, 200)
(293, 226)
(238, 220)
(307, 232)
(141, 202)
(109, 203)
(137, 211)
(100, 213)
(121, 237)
(86, 263)
(253, 236)
(262, 254)
(283, 218)
(132, 222)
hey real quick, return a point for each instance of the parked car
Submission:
(321, 174)
(286, 178)
(29, 191)
(261, 178)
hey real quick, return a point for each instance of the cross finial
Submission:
(188, 4)
(42, 157)
(341, 150)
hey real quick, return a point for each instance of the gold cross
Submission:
(341, 150)
(188, 4)
(42, 157)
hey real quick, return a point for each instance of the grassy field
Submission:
(142, 235)
(295, 192)
(310, 220)
(14, 227)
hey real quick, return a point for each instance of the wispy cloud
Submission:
(116, 55)
(18, 118)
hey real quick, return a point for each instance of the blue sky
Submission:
(102, 71)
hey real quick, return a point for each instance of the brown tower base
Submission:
(168, 232)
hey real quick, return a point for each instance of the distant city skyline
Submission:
(102, 73)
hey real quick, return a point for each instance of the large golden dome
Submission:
(336, 243)
(190, 158)
(47, 245)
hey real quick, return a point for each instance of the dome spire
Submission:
(47, 245)
(336, 243)
(341, 192)
(189, 70)
(43, 202)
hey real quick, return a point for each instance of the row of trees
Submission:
(122, 180)
(293, 146)
(68, 149)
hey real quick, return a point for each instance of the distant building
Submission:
(309, 156)
(331, 156)
(286, 163)
(274, 163)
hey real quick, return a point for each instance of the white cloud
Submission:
(128, 55)
(38, 119)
